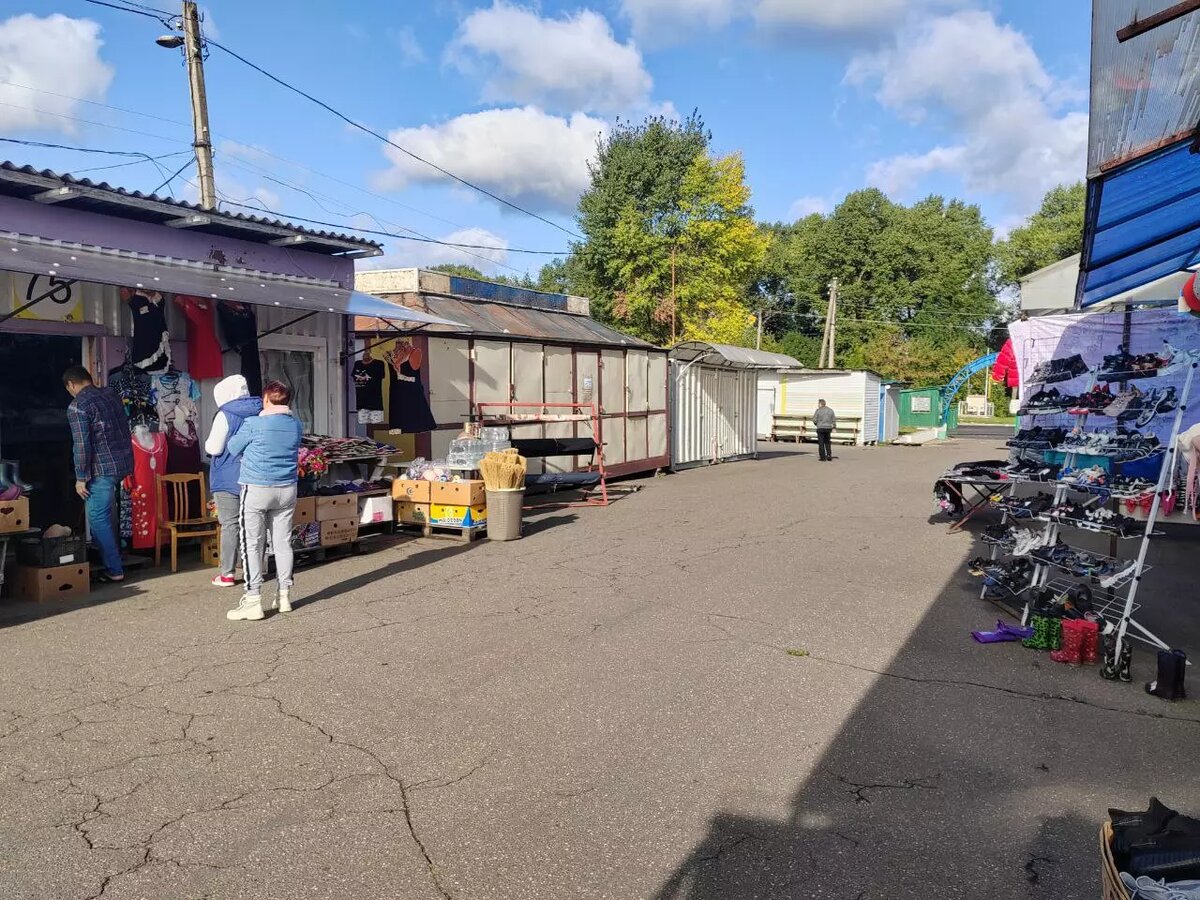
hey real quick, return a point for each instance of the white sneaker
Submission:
(285, 600)
(249, 609)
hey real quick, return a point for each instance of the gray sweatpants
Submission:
(229, 508)
(266, 508)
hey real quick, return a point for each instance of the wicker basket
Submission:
(1110, 879)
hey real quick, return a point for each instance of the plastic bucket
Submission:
(504, 514)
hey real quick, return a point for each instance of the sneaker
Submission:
(224, 581)
(285, 599)
(249, 609)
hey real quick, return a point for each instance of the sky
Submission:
(980, 99)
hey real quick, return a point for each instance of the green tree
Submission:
(1052, 233)
(462, 270)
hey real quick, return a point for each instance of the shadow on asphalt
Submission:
(400, 566)
(20, 612)
(963, 770)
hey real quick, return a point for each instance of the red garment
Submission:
(204, 352)
(141, 487)
(1005, 369)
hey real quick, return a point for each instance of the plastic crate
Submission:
(46, 553)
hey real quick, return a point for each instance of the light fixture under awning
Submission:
(55, 259)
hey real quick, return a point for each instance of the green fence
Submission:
(923, 409)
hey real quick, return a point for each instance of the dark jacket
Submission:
(100, 433)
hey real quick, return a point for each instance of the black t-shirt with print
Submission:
(368, 378)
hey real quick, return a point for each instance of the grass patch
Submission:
(1010, 421)
(792, 651)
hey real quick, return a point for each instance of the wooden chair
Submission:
(177, 518)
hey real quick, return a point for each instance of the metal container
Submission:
(504, 514)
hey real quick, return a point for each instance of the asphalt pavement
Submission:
(748, 681)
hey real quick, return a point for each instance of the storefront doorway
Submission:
(303, 369)
(33, 421)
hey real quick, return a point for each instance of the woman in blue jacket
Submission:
(235, 406)
(269, 445)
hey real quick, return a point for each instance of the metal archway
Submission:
(960, 378)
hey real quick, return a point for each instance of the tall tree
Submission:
(1052, 233)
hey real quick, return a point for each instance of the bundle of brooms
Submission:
(503, 470)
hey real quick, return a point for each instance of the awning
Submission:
(1143, 223)
(35, 256)
(1143, 219)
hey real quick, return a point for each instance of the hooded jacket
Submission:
(269, 445)
(235, 407)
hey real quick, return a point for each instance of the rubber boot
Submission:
(1054, 637)
(1090, 652)
(1125, 662)
(1108, 670)
(1037, 641)
(1071, 651)
(1169, 684)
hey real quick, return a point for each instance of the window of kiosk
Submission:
(303, 369)
(33, 422)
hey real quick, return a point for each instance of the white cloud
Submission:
(568, 63)
(658, 22)
(406, 42)
(408, 254)
(847, 16)
(523, 154)
(806, 206)
(982, 82)
(55, 54)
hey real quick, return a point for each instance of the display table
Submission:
(984, 492)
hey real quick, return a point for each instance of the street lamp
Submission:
(169, 41)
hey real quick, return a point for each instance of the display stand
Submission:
(578, 412)
(1131, 571)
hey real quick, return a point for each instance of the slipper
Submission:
(1170, 498)
(1147, 503)
(998, 636)
(1019, 632)
(106, 578)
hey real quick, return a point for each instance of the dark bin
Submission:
(46, 553)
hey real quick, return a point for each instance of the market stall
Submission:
(159, 300)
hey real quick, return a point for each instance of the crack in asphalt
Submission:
(859, 789)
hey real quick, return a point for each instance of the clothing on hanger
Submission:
(204, 353)
(239, 325)
(134, 387)
(368, 375)
(408, 407)
(151, 351)
(148, 462)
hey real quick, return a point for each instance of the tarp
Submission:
(1094, 336)
(36, 256)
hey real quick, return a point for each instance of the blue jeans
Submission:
(102, 491)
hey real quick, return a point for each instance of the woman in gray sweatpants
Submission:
(235, 406)
(269, 447)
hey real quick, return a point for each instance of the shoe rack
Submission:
(1120, 608)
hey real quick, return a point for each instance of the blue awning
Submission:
(1143, 223)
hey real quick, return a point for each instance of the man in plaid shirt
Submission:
(103, 457)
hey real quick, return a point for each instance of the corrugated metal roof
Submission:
(1145, 92)
(26, 181)
(728, 355)
(496, 320)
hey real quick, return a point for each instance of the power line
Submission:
(43, 112)
(135, 162)
(390, 142)
(178, 172)
(148, 11)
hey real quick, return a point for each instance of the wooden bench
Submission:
(800, 428)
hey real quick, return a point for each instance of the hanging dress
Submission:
(141, 486)
(408, 407)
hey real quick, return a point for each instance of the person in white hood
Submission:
(235, 406)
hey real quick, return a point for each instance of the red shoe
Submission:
(1071, 651)
(224, 581)
(1090, 651)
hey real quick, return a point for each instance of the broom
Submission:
(504, 471)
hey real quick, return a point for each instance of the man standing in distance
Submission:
(824, 420)
(103, 456)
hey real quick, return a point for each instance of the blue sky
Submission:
(982, 100)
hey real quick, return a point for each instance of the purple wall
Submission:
(77, 226)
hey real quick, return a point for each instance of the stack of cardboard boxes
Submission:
(445, 504)
(48, 568)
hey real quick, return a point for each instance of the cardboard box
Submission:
(306, 536)
(410, 513)
(339, 531)
(412, 491)
(457, 516)
(210, 550)
(53, 583)
(458, 493)
(306, 511)
(340, 506)
(374, 510)
(14, 515)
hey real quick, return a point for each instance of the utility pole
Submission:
(831, 326)
(672, 294)
(193, 49)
